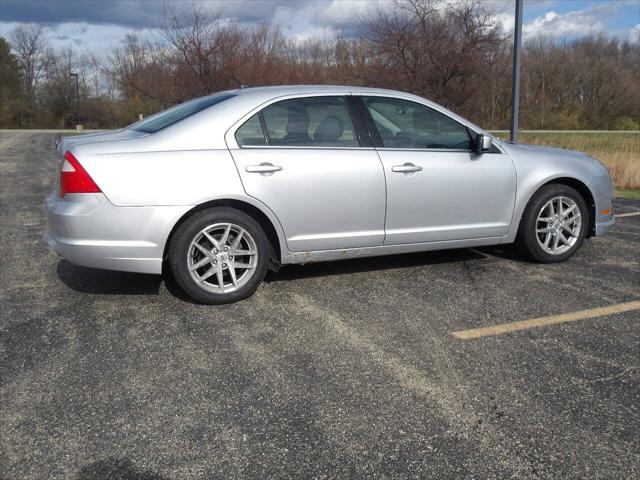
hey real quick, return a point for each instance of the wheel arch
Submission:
(581, 187)
(584, 190)
(269, 224)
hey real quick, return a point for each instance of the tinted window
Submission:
(405, 124)
(314, 121)
(179, 112)
(250, 133)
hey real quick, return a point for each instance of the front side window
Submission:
(405, 124)
(310, 122)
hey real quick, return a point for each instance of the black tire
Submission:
(527, 241)
(187, 231)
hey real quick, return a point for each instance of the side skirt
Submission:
(346, 253)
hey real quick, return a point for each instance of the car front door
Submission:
(302, 157)
(437, 188)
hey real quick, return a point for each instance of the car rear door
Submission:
(437, 188)
(304, 159)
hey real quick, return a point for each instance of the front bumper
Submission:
(86, 229)
(603, 228)
(602, 190)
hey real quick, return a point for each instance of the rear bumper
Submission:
(86, 229)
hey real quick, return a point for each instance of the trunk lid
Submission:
(64, 143)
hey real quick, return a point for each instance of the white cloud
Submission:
(506, 21)
(317, 33)
(577, 23)
(634, 34)
(96, 40)
(341, 12)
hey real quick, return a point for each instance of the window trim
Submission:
(357, 128)
(265, 131)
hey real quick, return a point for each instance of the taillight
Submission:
(74, 178)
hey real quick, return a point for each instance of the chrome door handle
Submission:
(406, 168)
(262, 168)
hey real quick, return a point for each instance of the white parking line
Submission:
(630, 214)
(543, 321)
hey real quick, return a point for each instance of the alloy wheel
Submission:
(558, 225)
(222, 257)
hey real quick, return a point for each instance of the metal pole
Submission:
(515, 88)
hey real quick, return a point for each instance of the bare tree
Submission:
(9, 85)
(198, 39)
(439, 48)
(57, 92)
(32, 52)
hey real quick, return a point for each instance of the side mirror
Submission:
(483, 143)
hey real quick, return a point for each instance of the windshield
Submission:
(179, 112)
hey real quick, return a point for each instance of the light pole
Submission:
(515, 87)
(77, 96)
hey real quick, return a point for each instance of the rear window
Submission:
(251, 134)
(179, 112)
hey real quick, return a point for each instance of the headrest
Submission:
(329, 130)
(297, 121)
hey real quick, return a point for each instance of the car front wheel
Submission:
(219, 255)
(553, 225)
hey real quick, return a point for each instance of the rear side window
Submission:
(310, 122)
(250, 133)
(406, 124)
(179, 112)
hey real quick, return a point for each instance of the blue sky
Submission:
(577, 17)
(96, 26)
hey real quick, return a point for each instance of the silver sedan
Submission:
(221, 188)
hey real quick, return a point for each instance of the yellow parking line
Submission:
(630, 214)
(542, 321)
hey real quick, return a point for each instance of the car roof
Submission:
(292, 89)
(281, 90)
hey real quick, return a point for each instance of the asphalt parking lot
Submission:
(339, 370)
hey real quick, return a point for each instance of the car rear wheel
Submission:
(219, 255)
(553, 225)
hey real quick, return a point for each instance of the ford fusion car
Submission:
(222, 188)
